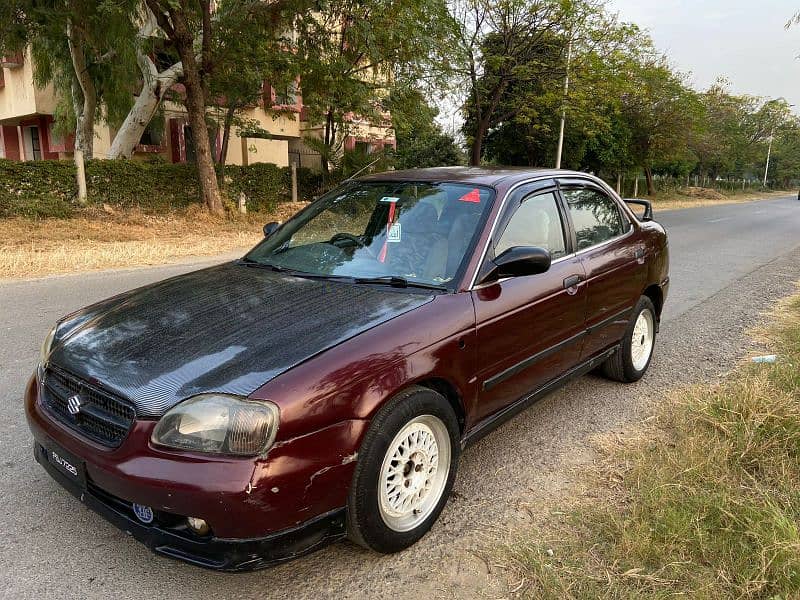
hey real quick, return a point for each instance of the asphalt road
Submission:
(729, 263)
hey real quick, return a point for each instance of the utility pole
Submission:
(769, 152)
(564, 107)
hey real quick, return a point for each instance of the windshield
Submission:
(420, 232)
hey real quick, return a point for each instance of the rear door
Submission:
(612, 258)
(529, 329)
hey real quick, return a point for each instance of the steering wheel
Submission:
(350, 237)
(347, 236)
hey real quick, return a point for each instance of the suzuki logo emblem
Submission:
(74, 404)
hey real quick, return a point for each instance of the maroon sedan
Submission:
(325, 384)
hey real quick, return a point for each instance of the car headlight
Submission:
(219, 424)
(47, 344)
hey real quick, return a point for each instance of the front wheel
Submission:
(631, 360)
(406, 468)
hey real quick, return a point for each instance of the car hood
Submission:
(228, 329)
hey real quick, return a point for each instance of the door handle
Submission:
(572, 281)
(638, 253)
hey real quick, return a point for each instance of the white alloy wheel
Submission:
(642, 339)
(414, 473)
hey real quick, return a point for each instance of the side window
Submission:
(596, 216)
(535, 223)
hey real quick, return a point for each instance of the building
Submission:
(27, 133)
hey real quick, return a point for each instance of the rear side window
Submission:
(596, 217)
(535, 223)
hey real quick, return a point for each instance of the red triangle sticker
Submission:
(473, 196)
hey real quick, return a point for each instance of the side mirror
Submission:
(648, 208)
(519, 261)
(270, 228)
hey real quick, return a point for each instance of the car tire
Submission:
(632, 358)
(393, 500)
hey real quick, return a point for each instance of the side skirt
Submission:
(491, 422)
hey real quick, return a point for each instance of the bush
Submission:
(153, 186)
(48, 189)
(262, 183)
(309, 183)
(36, 189)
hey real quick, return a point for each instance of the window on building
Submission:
(153, 135)
(188, 139)
(191, 149)
(363, 148)
(286, 96)
(33, 145)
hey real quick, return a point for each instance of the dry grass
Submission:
(692, 197)
(704, 502)
(97, 239)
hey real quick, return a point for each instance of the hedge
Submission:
(48, 189)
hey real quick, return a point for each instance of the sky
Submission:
(743, 41)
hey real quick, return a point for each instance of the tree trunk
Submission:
(86, 106)
(330, 135)
(651, 187)
(196, 109)
(154, 88)
(476, 151)
(195, 106)
(226, 137)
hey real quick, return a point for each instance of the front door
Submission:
(529, 329)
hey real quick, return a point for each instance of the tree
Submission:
(420, 140)
(183, 22)
(351, 53)
(200, 35)
(251, 47)
(660, 111)
(507, 49)
(155, 85)
(84, 48)
(785, 159)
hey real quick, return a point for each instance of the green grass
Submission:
(708, 503)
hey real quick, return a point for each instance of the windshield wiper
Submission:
(401, 282)
(249, 262)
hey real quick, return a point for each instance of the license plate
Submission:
(67, 464)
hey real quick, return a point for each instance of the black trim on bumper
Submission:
(220, 554)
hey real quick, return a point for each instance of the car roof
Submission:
(473, 175)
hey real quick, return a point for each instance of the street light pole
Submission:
(769, 153)
(564, 108)
(769, 149)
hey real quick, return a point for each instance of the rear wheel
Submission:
(631, 360)
(406, 468)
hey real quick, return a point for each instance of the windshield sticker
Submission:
(395, 234)
(391, 199)
(473, 196)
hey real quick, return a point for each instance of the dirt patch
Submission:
(104, 239)
(699, 192)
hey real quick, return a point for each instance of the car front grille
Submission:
(97, 414)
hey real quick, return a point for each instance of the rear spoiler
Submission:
(648, 208)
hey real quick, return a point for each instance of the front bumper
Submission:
(212, 552)
(261, 511)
